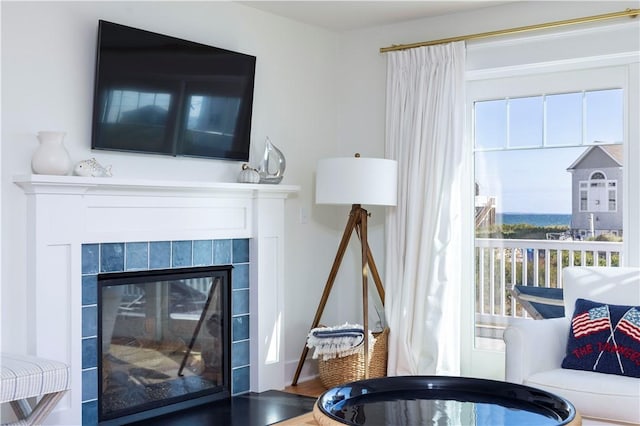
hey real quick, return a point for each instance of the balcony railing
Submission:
(502, 263)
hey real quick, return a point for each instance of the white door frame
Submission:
(558, 78)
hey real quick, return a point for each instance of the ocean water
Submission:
(535, 219)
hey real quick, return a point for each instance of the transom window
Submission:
(549, 120)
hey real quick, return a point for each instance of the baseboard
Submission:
(309, 370)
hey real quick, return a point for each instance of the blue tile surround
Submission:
(141, 256)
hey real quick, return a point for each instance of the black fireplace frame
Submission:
(173, 404)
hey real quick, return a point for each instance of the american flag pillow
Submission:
(604, 338)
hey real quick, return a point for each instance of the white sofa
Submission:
(535, 348)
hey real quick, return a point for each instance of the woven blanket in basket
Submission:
(338, 341)
(340, 370)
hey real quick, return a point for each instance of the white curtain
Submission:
(424, 133)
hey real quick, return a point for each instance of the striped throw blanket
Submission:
(338, 341)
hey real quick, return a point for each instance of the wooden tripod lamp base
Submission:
(354, 181)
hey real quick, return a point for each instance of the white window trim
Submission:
(599, 70)
(627, 68)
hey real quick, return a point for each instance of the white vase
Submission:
(51, 157)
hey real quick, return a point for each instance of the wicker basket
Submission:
(336, 371)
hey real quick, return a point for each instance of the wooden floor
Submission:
(312, 388)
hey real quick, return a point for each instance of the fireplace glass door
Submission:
(165, 339)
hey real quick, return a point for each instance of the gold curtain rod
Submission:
(629, 12)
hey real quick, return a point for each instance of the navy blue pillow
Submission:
(604, 338)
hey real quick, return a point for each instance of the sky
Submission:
(510, 162)
(528, 181)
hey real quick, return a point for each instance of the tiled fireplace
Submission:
(80, 227)
(166, 256)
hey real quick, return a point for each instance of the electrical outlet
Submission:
(304, 215)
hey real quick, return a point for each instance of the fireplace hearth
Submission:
(165, 341)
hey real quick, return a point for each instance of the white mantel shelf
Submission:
(65, 212)
(51, 184)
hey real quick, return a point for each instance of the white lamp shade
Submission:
(357, 180)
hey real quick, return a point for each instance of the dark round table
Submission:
(441, 400)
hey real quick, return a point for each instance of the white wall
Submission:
(361, 117)
(361, 106)
(362, 111)
(318, 94)
(48, 57)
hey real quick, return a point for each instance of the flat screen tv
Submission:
(164, 95)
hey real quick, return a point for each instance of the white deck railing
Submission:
(536, 263)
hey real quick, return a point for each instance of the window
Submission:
(481, 353)
(545, 161)
(600, 194)
(551, 120)
(612, 200)
(583, 201)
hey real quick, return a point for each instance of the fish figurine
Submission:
(91, 168)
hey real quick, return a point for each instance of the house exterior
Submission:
(596, 192)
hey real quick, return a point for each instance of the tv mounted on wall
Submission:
(164, 95)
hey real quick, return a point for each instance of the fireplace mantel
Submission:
(64, 212)
(62, 184)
